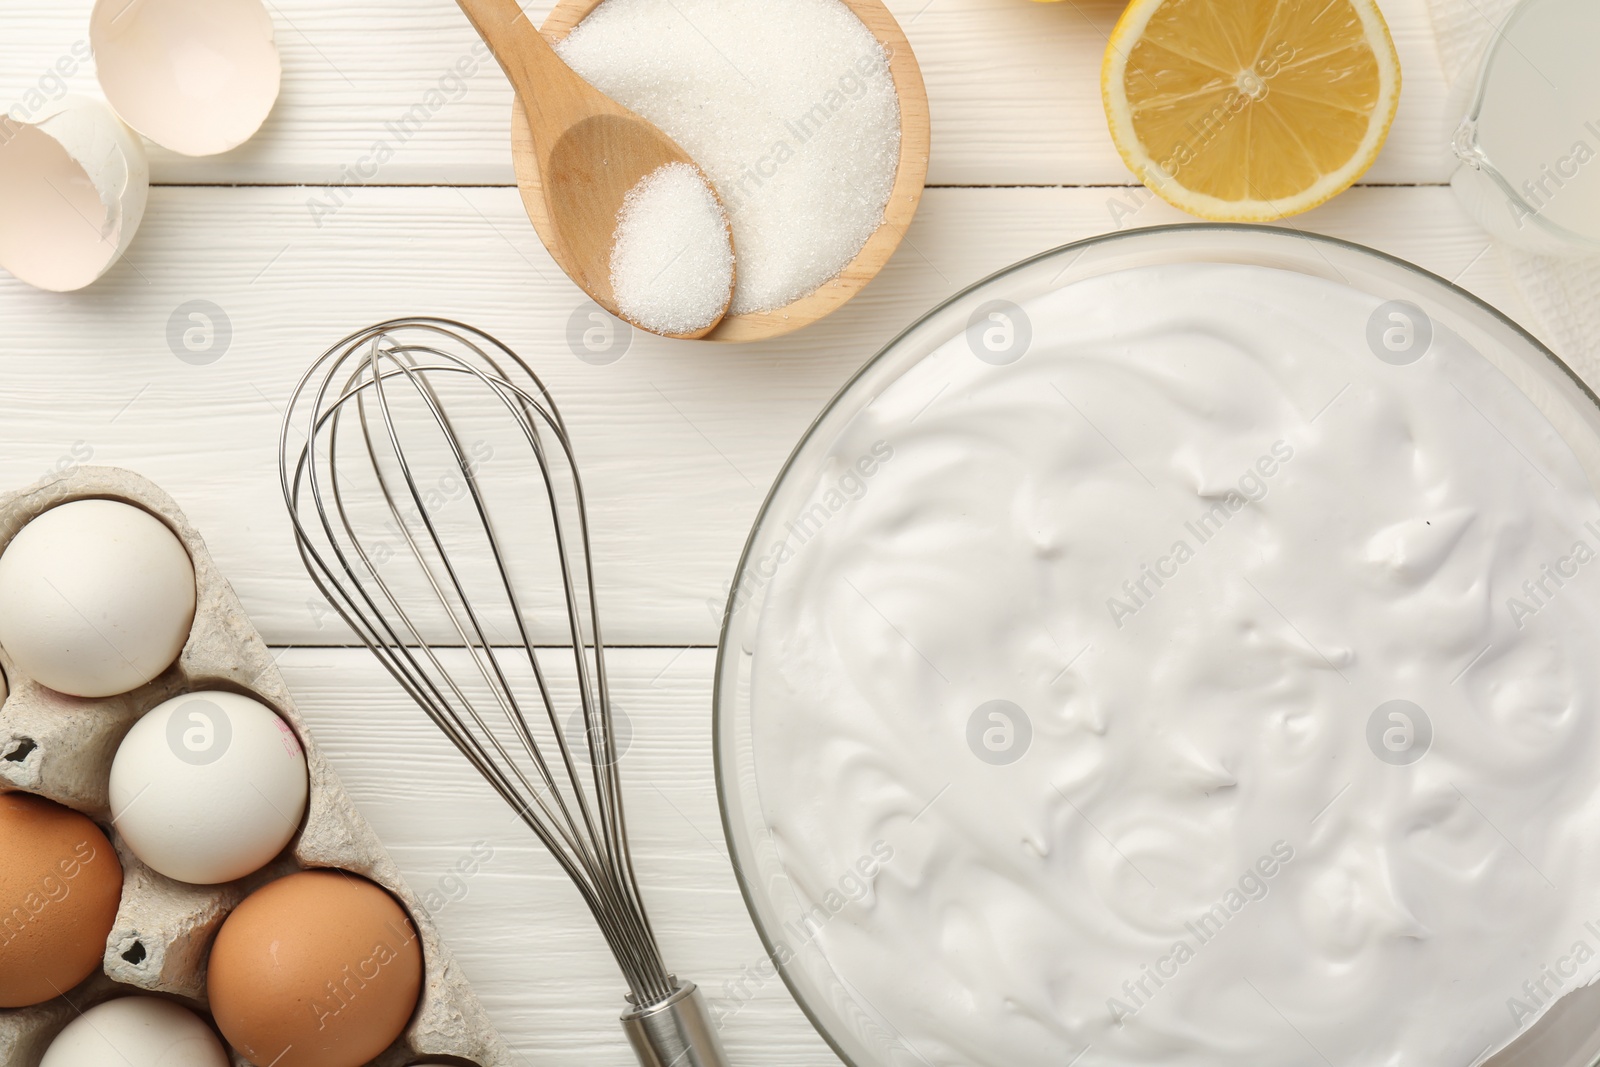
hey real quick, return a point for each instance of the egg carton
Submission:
(61, 747)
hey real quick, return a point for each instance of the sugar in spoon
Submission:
(590, 149)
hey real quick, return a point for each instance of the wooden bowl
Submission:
(897, 214)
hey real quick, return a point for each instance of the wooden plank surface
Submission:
(1014, 88)
(678, 443)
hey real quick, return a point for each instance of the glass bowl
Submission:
(1530, 129)
(1568, 1036)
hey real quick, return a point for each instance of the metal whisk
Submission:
(399, 450)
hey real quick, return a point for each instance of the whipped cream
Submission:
(1222, 684)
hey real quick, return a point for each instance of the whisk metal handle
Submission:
(678, 1032)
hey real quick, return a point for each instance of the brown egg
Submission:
(319, 969)
(60, 885)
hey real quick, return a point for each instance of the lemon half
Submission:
(1250, 110)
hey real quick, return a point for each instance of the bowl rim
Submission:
(1189, 231)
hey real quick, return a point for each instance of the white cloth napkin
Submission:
(1462, 29)
(1564, 294)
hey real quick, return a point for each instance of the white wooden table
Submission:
(678, 441)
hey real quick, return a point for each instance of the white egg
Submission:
(208, 787)
(136, 1032)
(196, 76)
(73, 186)
(96, 598)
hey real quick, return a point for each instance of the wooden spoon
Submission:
(910, 172)
(590, 150)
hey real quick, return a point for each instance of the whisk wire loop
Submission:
(394, 379)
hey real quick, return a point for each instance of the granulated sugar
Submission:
(672, 265)
(787, 105)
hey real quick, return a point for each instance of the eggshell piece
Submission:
(73, 186)
(319, 969)
(196, 76)
(60, 885)
(136, 1032)
(96, 598)
(209, 787)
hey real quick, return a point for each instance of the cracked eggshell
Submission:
(198, 77)
(73, 186)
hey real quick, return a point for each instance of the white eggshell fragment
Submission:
(196, 76)
(96, 598)
(136, 1032)
(209, 787)
(73, 186)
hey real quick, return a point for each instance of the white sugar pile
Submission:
(672, 265)
(787, 105)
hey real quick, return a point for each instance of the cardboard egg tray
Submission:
(61, 747)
